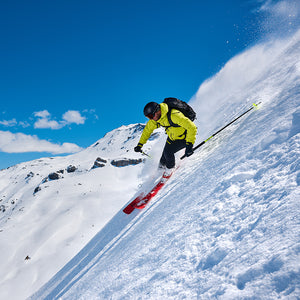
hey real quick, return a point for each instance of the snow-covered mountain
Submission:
(51, 207)
(225, 226)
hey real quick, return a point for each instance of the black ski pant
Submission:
(168, 155)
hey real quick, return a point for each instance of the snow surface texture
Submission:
(225, 226)
(50, 208)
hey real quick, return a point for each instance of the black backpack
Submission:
(182, 107)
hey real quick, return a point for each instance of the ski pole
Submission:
(146, 154)
(203, 142)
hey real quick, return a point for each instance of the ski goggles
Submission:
(150, 116)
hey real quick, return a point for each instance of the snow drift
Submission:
(226, 225)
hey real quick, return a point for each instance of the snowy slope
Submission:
(50, 208)
(226, 225)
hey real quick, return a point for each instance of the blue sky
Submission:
(70, 70)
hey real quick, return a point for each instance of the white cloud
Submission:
(24, 124)
(69, 117)
(92, 113)
(9, 123)
(14, 122)
(73, 116)
(20, 143)
(42, 114)
(45, 122)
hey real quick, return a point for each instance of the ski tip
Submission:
(128, 210)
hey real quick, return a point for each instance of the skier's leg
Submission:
(171, 147)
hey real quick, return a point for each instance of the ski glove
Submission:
(189, 149)
(138, 148)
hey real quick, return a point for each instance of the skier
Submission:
(181, 132)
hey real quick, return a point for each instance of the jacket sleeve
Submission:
(191, 129)
(149, 128)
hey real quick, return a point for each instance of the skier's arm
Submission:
(149, 128)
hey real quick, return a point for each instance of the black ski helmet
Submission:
(151, 108)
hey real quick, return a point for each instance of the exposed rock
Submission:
(71, 169)
(37, 189)
(99, 163)
(126, 162)
(29, 175)
(53, 176)
(2, 208)
(101, 160)
(45, 180)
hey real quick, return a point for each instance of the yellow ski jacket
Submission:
(187, 129)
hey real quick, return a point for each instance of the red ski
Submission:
(142, 200)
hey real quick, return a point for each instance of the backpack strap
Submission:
(172, 124)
